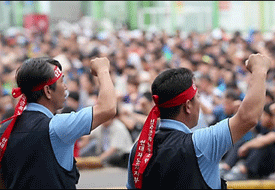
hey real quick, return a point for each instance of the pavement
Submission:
(116, 178)
(102, 178)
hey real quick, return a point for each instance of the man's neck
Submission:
(185, 120)
(48, 104)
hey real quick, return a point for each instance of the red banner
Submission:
(36, 22)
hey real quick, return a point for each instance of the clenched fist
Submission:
(99, 64)
(257, 62)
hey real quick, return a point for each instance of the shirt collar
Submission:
(173, 124)
(40, 108)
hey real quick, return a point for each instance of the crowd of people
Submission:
(218, 63)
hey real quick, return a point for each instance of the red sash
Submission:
(16, 92)
(145, 142)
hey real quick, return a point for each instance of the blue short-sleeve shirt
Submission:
(64, 130)
(210, 145)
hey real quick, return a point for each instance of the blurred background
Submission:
(200, 16)
(142, 39)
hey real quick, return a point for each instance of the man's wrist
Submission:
(260, 71)
(102, 71)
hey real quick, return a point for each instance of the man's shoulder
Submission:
(219, 127)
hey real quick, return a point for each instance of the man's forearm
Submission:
(107, 101)
(254, 143)
(251, 108)
(107, 96)
(253, 103)
(261, 141)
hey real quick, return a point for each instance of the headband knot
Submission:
(156, 99)
(16, 92)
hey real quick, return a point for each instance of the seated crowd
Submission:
(218, 63)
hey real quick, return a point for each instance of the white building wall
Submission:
(66, 10)
(242, 15)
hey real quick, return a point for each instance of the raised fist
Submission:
(99, 64)
(257, 62)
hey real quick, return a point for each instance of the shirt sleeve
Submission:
(213, 142)
(71, 126)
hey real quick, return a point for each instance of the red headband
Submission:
(16, 92)
(144, 149)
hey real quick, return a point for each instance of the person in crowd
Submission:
(174, 157)
(209, 98)
(134, 119)
(37, 144)
(145, 53)
(111, 142)
(227, 108)
(73, 101)
(257, 154)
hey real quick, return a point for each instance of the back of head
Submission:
(168, 85)
(33, 72)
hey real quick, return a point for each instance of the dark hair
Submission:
(67, 109)
(74, 95)
(148, 96)
(269, 94)
(231, 94)
(207, 78)
(133, 79)
(76, 80)
(35, 71)
(168, 85)
(232, 84)
(267, 108)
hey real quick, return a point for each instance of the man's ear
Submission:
(187, 107)
(47, 92)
